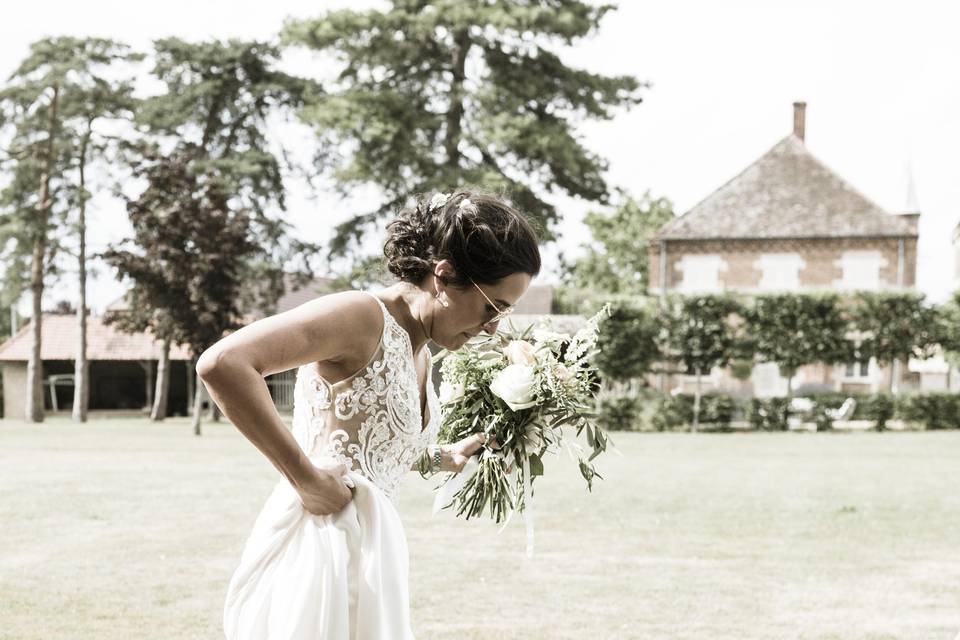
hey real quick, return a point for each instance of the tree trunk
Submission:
(190, 378)
(895, 376)
(197, 403)
(159, 411)
(696, 402)
(34, 400)
(149, 386)
(455, 111)
(81, 369)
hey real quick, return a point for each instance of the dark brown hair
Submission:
(485, 238)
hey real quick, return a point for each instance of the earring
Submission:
(442, 302)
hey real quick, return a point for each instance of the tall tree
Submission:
(701, 335)
(615, 259)
(93, 97)
(218, 100)
(41, 112)
(894, 327)
(185, 258)
(794, 330)
(433, 95)
(213, 114)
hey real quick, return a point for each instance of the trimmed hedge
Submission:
(632, 411)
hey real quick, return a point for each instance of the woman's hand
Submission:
(323, 491)
(459, 452)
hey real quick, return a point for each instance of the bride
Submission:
(327, 556)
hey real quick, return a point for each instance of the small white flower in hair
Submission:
(438, 200)
(466, 206)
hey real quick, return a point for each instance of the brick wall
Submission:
(821, 257)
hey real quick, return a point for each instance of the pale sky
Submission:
(880, 80)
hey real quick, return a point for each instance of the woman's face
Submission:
(469, 312)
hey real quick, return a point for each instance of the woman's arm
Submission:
(333, 328)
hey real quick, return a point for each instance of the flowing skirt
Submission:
(301, 576)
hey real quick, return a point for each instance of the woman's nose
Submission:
(491, 327)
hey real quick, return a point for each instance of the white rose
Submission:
(450, 392)
(516, 384)
(520, 352)
(545, 336)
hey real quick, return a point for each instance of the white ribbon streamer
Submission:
(447, 492)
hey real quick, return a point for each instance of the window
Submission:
(857, 370)
(781, 271)
(701, 273)
(861, 270)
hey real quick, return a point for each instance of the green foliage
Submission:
(408, 114)
(879, 407)
(895, 326)
(185, 257)
(795, 330)
(617, 258)
(628, 341)
(218, 98)
(934, 410)
(618, 411)
(46, 110)
(677, 411)
(700, 330)
(769, 414)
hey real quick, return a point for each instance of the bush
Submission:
(935, 410)
(672, 412)
(879, 407)
(619, 412)
(770, 414)
(716, 409)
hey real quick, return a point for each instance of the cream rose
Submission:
(562, 374)
(450, 392)
(516, 384)
(520, 352)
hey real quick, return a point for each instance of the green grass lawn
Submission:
(124, 529)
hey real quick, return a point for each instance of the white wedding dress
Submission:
(343, 575)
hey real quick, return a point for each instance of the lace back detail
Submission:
(372, 420)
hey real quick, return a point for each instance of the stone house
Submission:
(788, 223)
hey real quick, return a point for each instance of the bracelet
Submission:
(436, 458)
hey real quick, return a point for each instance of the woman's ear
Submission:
(443, 272)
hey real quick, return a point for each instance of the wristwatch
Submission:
(436, 458)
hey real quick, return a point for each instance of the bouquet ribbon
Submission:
(448, 491)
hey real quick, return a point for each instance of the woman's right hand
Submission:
(323, 491)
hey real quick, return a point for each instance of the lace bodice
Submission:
(371, 420)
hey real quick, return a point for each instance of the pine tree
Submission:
(435, 95)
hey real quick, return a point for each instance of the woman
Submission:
(327, 557)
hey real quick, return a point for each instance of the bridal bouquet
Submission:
(521, 388)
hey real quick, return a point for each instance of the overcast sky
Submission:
(880, 79)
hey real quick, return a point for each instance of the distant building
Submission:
(956, 258)
(123, 366)
(787, 223)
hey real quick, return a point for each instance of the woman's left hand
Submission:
(461, 451)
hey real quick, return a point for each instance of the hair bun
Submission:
(481, 235)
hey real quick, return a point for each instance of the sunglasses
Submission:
(501, 313)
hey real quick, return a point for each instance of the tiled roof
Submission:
(104, 342)
(786, 193)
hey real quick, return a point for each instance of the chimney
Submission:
(799, 119)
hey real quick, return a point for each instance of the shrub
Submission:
(716, 409)
(770, 414)
(935, 410)
(879, 407)
(618, 411)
